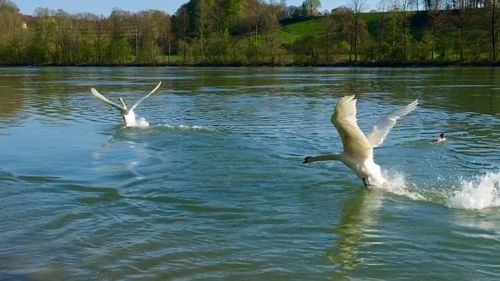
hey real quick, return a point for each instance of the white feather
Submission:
(127, 114)
(358, 149)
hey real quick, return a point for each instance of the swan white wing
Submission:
(354, 141)
(104, 99)
(143, 98)
(384, 125)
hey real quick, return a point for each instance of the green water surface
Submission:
(215, 188)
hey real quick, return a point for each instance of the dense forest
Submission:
(256, 32)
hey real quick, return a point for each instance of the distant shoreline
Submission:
(377, 64)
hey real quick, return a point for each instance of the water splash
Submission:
(139, 123)
(396, 183)
(479, 193)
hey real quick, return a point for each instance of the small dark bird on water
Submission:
(440, 139)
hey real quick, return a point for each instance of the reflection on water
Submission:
(454, 89)
(359, 213)
(215, 188)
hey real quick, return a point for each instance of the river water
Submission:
(215, 188)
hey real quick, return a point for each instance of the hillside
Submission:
(414, 37)
(247, 32)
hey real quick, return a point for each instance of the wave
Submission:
(187, 128)
(142, 123)
(479, 193)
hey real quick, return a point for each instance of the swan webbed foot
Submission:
(306, 160)
(364, 182)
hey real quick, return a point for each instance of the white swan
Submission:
(128, 114)
(358, 148)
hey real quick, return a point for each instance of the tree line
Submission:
(256, 32)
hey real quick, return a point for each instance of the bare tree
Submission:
(328, 25)
(463, 12)
(492, 5)
(183, 25)
(311, 7)
(272, 12)
(400, 25)
(254, 20)
(382, 26)
(356, 7)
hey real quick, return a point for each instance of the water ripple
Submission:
(215, 187)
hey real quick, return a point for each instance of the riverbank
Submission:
(375, 64)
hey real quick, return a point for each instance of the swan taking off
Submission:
(128, 114)
(358, 148)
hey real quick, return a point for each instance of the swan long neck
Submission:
(326, 157)
(123, 103)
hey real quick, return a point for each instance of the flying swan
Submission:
(128, 114)
(358, 148)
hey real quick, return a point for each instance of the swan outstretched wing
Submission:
(384, 125)
(104, 99)
(143, 98)
(354, 141)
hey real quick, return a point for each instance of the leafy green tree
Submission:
(203, 25)
(101, 30)
(182, 28)
(10, 32)
(150, 26)
(252, 32)
(271, 13)
(254, 22)
(119, 51)
(399, 35)
(233, 12)
(45, 29)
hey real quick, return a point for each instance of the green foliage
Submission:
(7, 6)
(119, 51)
(247, 32)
